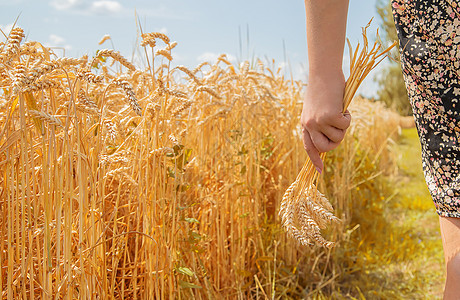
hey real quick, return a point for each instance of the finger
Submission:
(347, 115)
(341, 121)
(312, 152)
(334, 134)
(321, 142)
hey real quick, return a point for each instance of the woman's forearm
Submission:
(323, 123)
(326, 27)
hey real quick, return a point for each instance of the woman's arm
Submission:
(322, 120)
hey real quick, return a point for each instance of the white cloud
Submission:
(163, 30)
(57, 41)
(67, 4)
(296, 69)
(212, 57)
(118, 8)
(106, 7)
(283, 65)
(87, 7)
(299, 72)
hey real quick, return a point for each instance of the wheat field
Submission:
(162, 182)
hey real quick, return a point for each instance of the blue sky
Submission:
(203, 28)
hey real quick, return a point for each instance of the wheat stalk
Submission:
(116, 56)
(90, 77)
(43, 116)
(131, 96)
(149, 38)
(191, 74)
(165, 53)
(104, 39)
(41, 85)
(86, 105)
(13, 44)
(303, 208)
(209, 91)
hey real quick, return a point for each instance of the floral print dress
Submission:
(429, 39)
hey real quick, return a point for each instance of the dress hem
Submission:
(448, 214)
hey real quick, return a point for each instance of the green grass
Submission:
(414, 214)
(413, 192)
(396, 251)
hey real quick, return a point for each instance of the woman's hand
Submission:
(323, 122)
(322, 119)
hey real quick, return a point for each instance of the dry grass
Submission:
(120, 182)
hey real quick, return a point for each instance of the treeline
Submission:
(392, 90)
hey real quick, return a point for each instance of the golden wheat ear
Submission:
(304, 210)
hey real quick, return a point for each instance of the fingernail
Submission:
(319, 170)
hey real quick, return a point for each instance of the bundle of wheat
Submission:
(304, 210)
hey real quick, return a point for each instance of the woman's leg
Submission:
(450, 233)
